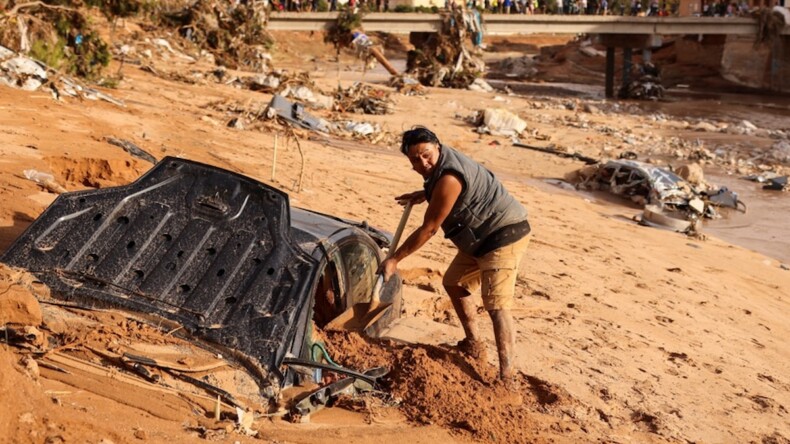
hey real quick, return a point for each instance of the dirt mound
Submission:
(97, 173)
(17, 304)
(441, 386)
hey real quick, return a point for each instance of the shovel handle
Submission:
(376, 297)
(399, 231)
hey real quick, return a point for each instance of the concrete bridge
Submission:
(628, 33)
(504, 24)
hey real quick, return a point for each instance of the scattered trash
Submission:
(363, 99)
(407, 85)
(499, 122)
(295, 113)
(771, 181)
(21, 72)
(480, 85)
(46, 180)
(361, 128)
(132, 149)
(777, 184)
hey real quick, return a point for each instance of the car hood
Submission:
(197, 245)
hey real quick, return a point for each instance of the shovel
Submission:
(362, 314)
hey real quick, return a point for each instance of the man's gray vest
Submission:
(483, 207)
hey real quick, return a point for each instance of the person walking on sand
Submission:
(487, 225)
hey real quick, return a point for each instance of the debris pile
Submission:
(233, 32)
(771, 23)
(363, 99)
(18, 71)
(645, 83)
(59, 35)
(443, 59)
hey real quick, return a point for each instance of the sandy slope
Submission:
(643, 335)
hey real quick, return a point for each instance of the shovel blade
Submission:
(359, 317)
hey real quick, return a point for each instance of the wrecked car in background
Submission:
(669, 200)
(213, 252)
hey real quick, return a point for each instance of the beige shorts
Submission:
(496, 272)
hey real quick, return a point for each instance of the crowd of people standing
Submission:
(650, 8)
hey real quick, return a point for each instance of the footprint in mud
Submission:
(540, 295)
(542, 390)
(765, 403)
(713, 369)
(646, 421)
(664, 320)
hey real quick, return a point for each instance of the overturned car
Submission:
(669, 200)
(217, 254)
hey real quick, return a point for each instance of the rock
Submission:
(692, 173)
(31, 367)
(480, 85)
(781, 151)
(590, 109)
(705, 126)
(748, 125)
(589, 51)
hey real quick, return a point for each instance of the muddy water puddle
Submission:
(765, 227)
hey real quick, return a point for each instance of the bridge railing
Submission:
(404, 23)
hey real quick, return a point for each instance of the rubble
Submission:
(18, 71)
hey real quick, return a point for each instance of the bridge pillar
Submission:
(628, 42)
(609, 72)
(626, 66)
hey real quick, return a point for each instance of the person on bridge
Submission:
(487, 225)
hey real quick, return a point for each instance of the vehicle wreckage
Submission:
(669, 201)
(224, 259)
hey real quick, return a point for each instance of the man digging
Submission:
(487, 225)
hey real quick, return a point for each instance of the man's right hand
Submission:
(416, 197)
(388, 268)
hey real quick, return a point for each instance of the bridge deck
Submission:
(403, 23)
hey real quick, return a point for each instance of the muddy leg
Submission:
(505, 341)
(465, 309)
